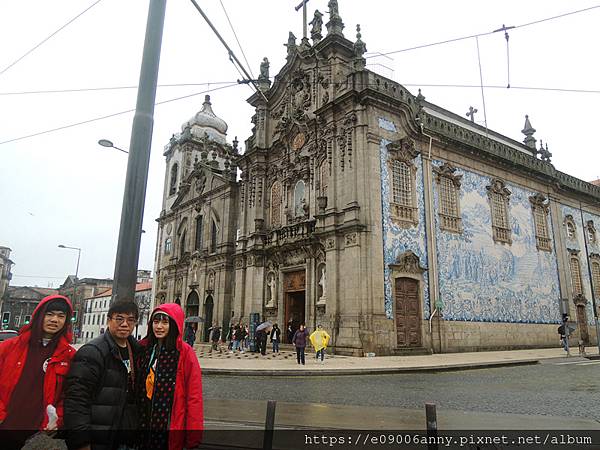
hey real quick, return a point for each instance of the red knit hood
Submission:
(174, 311)
(67, 331)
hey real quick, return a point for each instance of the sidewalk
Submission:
(284, 363)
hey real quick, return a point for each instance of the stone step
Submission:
(411, 351)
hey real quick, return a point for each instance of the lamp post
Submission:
(134, 195)
(75, 288)
(107, 143)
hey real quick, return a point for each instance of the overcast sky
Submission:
(62, 188)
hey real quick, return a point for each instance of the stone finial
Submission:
(528, 131)
(544, 153)
(235, 145)
(291, 45)
(317, 27)
(420, 96)
(360, 48)
(335, 24)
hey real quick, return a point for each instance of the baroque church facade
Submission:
(397, 225)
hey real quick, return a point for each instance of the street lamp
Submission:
(107, 143)
(75, 285)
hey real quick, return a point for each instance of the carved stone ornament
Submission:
(200, 183)
(447, 170)
(178, 285)
(239, 262)
(298, 141)
(169, 229)
(403, 149)
(351, 239)
(330, 244)
(580, 300)
(408, 262)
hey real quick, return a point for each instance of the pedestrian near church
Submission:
(275, 338)
(215, 338)
(169, 385)
(319, 340)
(299, 341)
(564, 332)
(261, 341)
(100, 410)
(190, 334)
(33, 367)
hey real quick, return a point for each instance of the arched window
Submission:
(570, 227)
(449, 206)
(276, 204)
(173, 181)
(213, 237)
(401, 183)
(298, 199)
(402, 179)
(591, 232)
(198, 242)
(168, 244)
(576, 275)
(499, 197)
(540, 213)
(596, 278)
(182, 238)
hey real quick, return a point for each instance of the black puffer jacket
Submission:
(96, 405)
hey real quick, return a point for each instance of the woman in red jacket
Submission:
(33, 367)
(169, 384)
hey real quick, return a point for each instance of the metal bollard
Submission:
(431, 419)
(269, 425)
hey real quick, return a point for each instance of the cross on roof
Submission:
(304, 18)
(471, 113)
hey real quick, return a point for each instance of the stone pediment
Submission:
(200, 182)
(408, 262)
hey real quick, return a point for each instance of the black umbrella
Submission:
(194, 319)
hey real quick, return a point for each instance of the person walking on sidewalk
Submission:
(33, 366)
(215, 338)
(564, 332)
(190, 335)
(319, 340)
(299, 341)
(100, 408)
(169, 385)
(275, 338)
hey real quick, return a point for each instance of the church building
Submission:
(399, 226)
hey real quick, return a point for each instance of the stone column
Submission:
(562, 257)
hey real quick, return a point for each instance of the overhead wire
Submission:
(108, 116)
(447, 41)
(236, 38)
(49, 37)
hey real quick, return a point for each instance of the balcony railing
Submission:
(290, 233)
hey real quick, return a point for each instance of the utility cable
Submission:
(447, 41)
(481, 83)
(108, 116)
(49, 37)
(236, 38)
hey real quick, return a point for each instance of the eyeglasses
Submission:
(121, 319)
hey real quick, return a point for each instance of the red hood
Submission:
(174, 311)
(68, 333)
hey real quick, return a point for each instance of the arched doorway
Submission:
(208, 316)
(192, 305)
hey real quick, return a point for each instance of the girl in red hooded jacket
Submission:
(169, 384)
(33, 367)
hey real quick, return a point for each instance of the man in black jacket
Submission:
(99, 400)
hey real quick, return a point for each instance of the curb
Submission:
(366, 371)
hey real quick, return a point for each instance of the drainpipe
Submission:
(589, 267)
(429, 219)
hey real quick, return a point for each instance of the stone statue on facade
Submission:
(334, 11)
(211, 281)
(323, 284)
(272, 284)
(291, 45)
(264, 70)
(317, 27)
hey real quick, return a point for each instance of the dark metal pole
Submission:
(269, 425)
(132, 213)
(431, 419)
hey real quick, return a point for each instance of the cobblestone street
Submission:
(556, 387)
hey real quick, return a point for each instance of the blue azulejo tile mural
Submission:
(397, 240)
(579, 242)
(484, 281)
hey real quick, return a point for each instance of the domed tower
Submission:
(197, 224)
